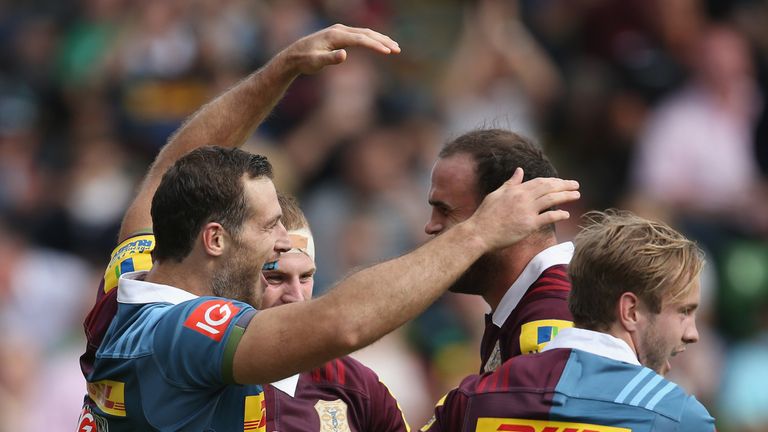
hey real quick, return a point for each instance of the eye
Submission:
(273, 279)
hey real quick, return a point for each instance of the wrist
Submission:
(471, 236)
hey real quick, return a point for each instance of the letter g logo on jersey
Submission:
(211, 318)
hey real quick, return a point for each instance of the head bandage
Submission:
(302, 242)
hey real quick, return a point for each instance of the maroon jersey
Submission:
(342, 395)
(133, 254)
(532, 311)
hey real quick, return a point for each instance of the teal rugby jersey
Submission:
(166, 364)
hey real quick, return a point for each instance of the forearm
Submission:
(379, 299)
(361, 309)
(231, 118)
(226, 121)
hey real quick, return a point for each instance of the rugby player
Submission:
(526, 284)
(634, 298)
(185, 349)
(342, 392)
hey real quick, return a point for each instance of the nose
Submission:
(283, 243)
(433, 226)
(292, 292)
(691, 334)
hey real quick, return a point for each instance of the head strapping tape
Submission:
(302, 242)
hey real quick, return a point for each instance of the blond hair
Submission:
(293, 218)
(618, 252)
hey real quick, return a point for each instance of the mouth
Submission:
(270, 265)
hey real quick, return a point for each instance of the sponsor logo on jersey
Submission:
(211, 318)
(109, 396)
(133, 254)
(333, 416)
(91, 422)
(535, 335)
(255, 418)
(485, 424)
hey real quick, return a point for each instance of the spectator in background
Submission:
(497, 73)
(695, 157)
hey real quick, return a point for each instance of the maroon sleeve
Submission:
(450, 411)
(386, 415)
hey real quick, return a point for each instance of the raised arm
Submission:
(231, 118)
(368, 304)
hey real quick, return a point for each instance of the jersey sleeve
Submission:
(195, 342)
(386, 414)
(695, 417)
(132, 254)
(541, 317)
(451, 409)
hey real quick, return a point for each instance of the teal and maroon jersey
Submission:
(532, 312)
(166, 363)
(569, 390)
(342, 395)
(133, 254)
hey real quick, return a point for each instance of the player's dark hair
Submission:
(204, 186)
(497, 154)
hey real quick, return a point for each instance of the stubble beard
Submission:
(238, 280)
(654, 353)
(479, 277)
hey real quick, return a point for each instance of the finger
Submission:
(552, 216)
(556, 198)
(344, 38)
(335, 57)
(382, 38)
(517, 177)
(541, 186)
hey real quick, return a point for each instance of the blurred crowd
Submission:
(658, 106)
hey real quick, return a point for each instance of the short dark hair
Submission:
(203, 186)
(497, 153)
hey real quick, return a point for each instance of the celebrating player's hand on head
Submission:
(519, 208)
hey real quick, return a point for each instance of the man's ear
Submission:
(214, 238)
(629, 313)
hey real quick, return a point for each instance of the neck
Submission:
(184, 275)
(513, 261)
(618, 331)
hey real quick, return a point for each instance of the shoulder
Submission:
(344, 371)
(132, 254)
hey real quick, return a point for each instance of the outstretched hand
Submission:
(327, 47)
(516, 209)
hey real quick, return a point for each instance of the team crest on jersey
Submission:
(494, 361)
(91, 422)
(535, 335)
(333, 416)
(487, 424)
(211, 318)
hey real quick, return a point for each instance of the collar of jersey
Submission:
(593, 342)
(131, 289)
(287, 385)
(551, 256)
